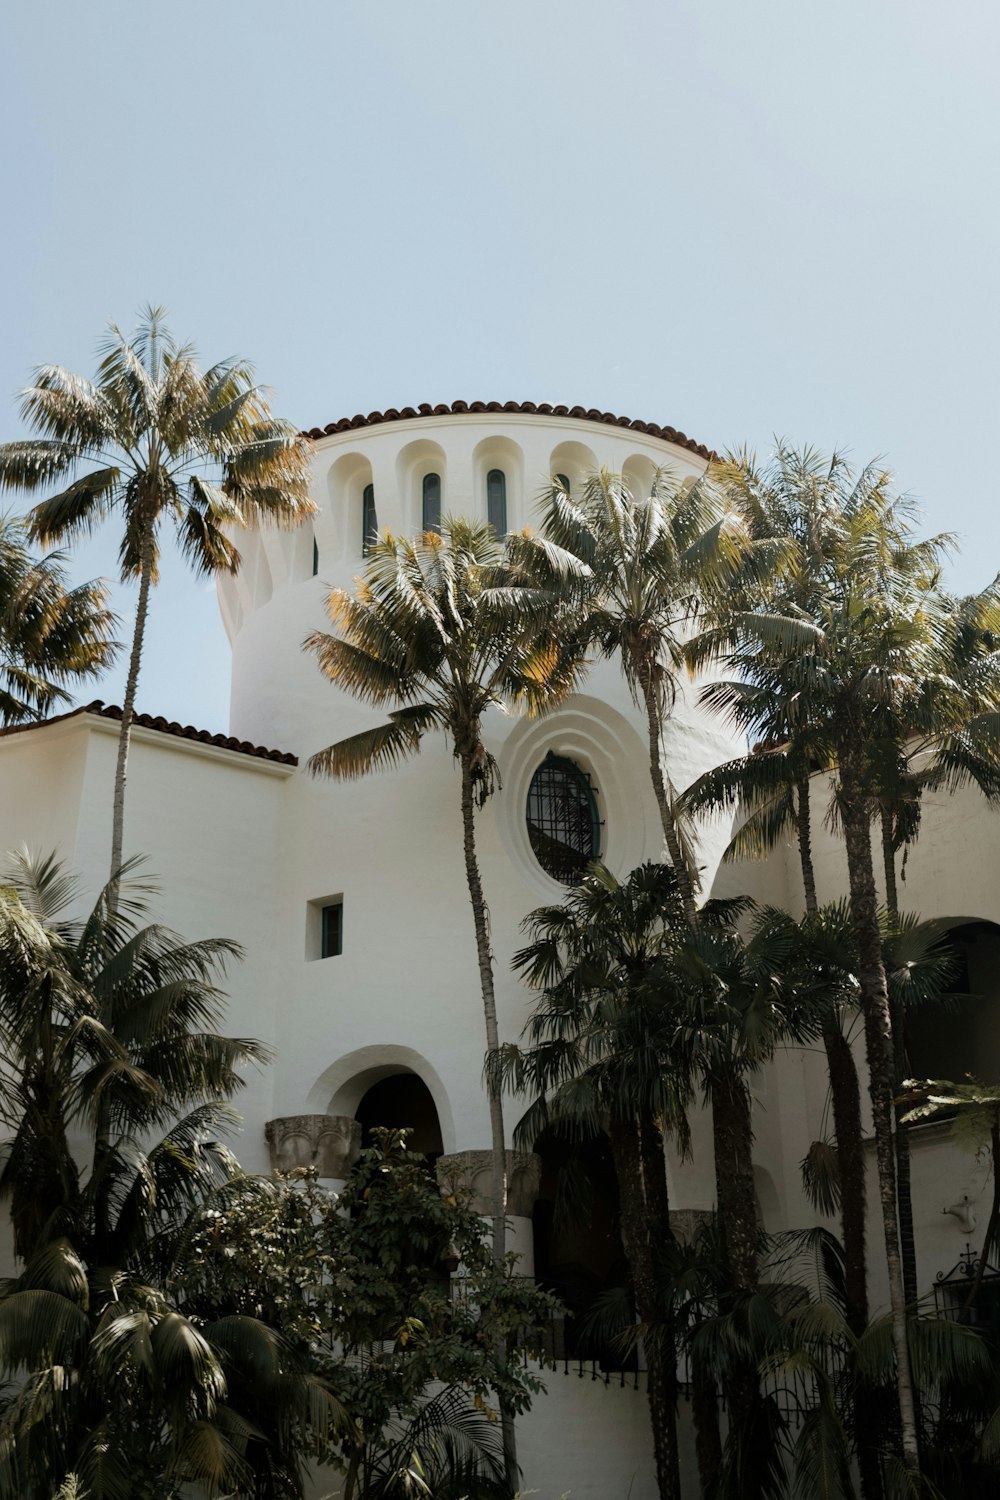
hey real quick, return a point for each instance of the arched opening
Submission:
(955, 1039)
(401, 1101)
(571, 465)
(578, 1248)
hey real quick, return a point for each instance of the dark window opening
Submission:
(496, 501)
(332, 930)
(431, 520)
(369, 520)
(563, 826)
(563, 481)
(578, 1251)
(954, 1037)
(402, 1102)
(315, 557)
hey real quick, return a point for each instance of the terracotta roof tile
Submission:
(164, 726)
(528, 408)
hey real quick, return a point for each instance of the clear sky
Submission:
(740, 219)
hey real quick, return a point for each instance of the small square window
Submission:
(332, 930)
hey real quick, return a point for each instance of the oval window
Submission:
(563, 826)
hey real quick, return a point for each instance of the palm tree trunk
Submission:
(642, 1199)
(804, 830)
(737, 1206)
(904, 1189)
(845, 1099)
(685, 878)
(498, 1149)
(878, 1048)
(128, 709)
(889, 862)
(733, 1139)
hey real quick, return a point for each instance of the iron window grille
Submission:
(563, 825)
(953, 1292)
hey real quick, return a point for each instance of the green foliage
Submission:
(51, 637)
(360, 1283)
(157, 439)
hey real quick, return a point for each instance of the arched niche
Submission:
(576, 462)
(339, 527)
(639, 474)
(507, 457)
(343, 1087)
(413, 463)
(961, 1037)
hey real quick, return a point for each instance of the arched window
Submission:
(432, 502)
(563, 481)
(563, 826)
(369, 519)
(315, 557)
(496, 501)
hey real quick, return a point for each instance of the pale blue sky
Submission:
(739, 219)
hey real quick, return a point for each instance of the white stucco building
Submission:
(388, 1027)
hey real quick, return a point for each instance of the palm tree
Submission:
(858, 653)
(51, 636)
(651, 560)
(157, 438)
(106, 1027)
(597, 1056)
(443, 629)
(107, 1040)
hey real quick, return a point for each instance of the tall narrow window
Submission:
(332, 930)
(315, 557)
(369, 520)
(496, 501)
(563, 481)
(432, 502)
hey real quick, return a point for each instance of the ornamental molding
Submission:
(330, 1143)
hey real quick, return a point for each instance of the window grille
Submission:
(563, 827)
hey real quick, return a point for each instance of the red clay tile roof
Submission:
(164, 726)
(475, 408)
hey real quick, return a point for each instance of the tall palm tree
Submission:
(651, 560)
(106, 1026)
(597, 1056)
(51, 637)
(858, 653)
(155, 438)
(443, 629)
